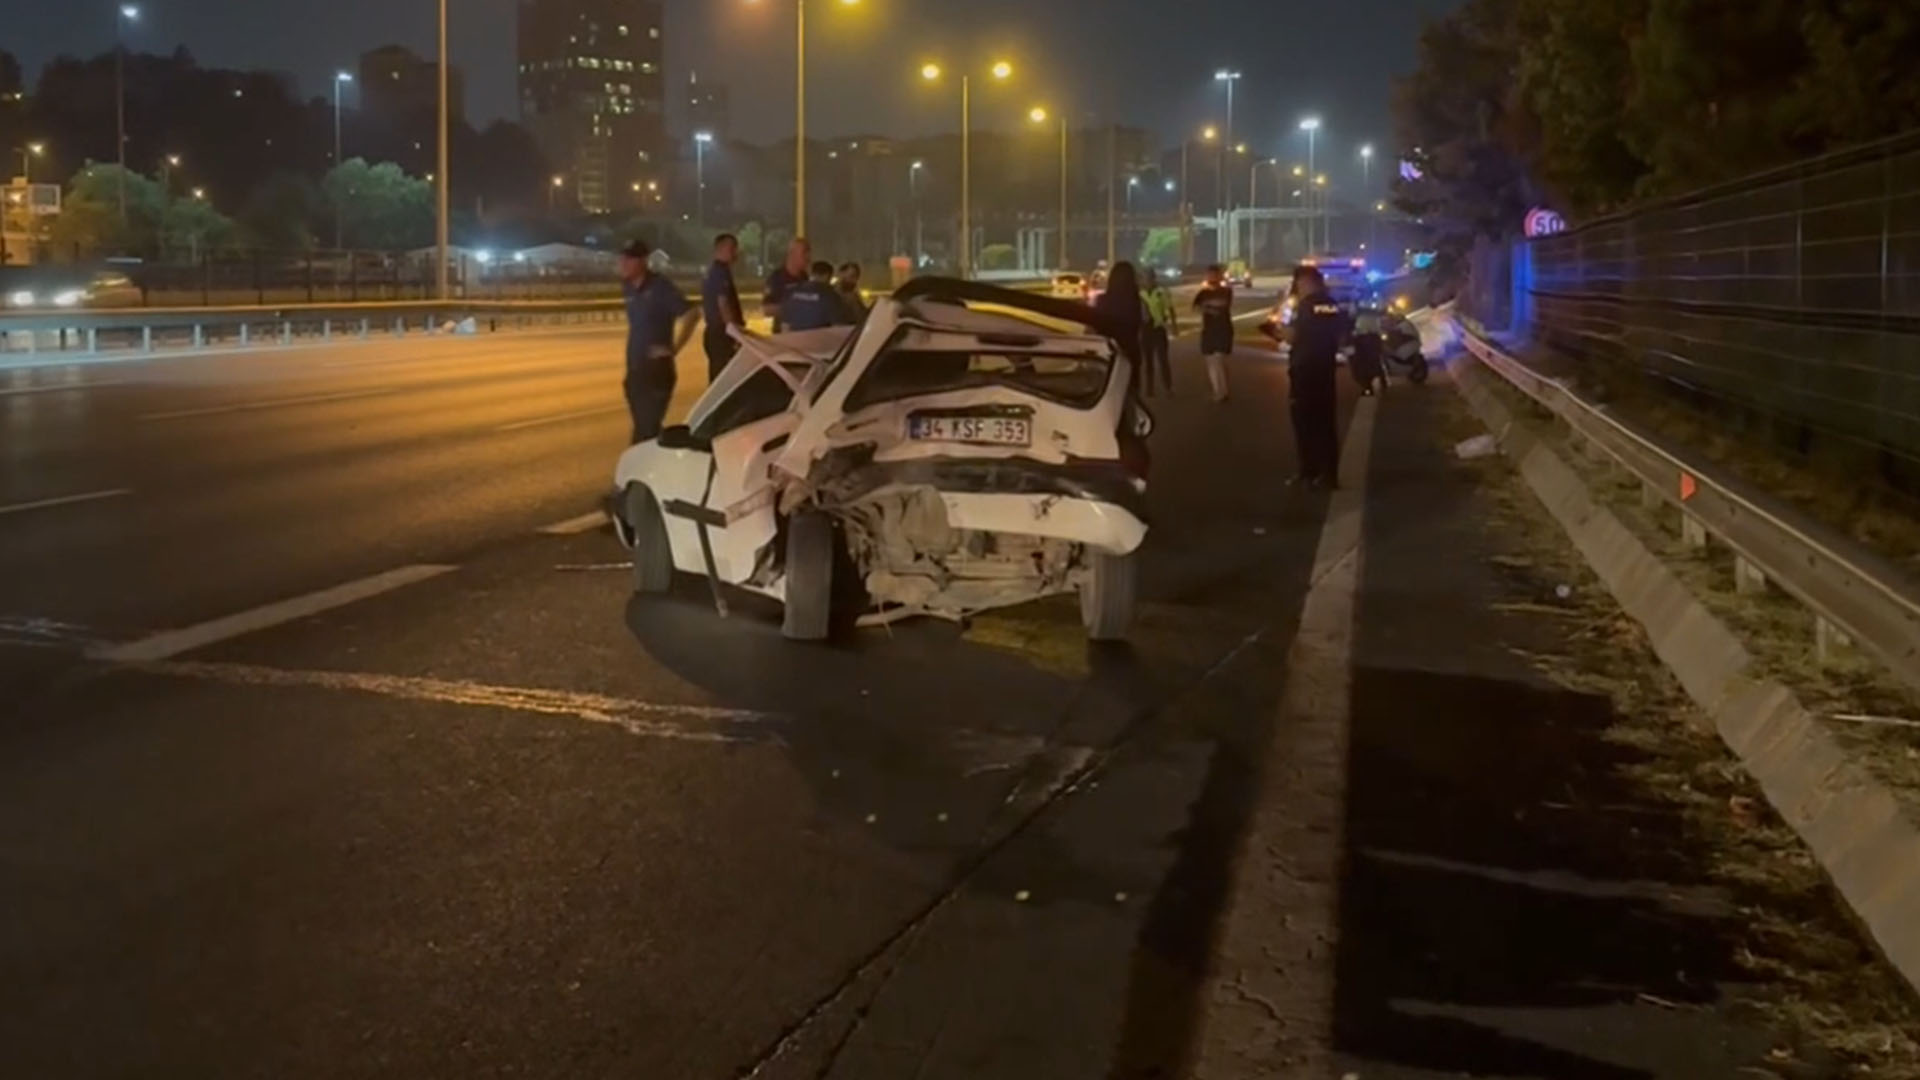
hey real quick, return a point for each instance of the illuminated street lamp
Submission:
(200, 194)
(1310, 125)
(800, 113)
(167, 165)
(1366, 165)
(1226, 189)
(128, 13)
(553, 192)
(932, 72)
(27, 154)
(1039, 116)
(340, 79)
(700, 141)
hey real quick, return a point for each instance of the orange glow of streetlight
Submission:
(1299, 170)
(930, 72)
(1209, 133)
(1002, 70)
(1241, 149)
(1038, 115)
(1320, 181)
(559, 181)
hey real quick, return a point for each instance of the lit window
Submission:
(653, 32)
(623, 31)
(647, 67)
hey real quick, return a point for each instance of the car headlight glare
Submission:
(22, 298)
(69, 298)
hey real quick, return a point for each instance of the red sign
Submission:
(1544, 222)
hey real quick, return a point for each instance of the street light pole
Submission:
(919, 235)
(1186, 209)
(700, 141)
(127, 13)
(1310, 125)
(1063, 191)
(1113, 178)
(1226, 197)
(442, 176)
(931, 72)
(27, 154)
(340, 79)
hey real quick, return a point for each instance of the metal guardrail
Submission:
(1857, 596)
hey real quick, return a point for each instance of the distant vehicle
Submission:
(55, 288)
(968, 447)
(1067, 286)
(1239, 274)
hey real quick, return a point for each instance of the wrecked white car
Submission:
(966, 447)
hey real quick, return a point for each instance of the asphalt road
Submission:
(476, 812)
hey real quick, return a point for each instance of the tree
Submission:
(279, 215)
(379, 206)
(1573, 70)
(1161, 246)
(998, 257)
(191, 229)
(1859, 81)
(90, 222)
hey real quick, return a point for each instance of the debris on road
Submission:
(1477, 447)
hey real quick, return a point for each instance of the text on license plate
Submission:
(993, 430)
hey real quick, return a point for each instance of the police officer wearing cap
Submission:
(660, 322)
(1315, 335)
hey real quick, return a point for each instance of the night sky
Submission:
(1152, 60)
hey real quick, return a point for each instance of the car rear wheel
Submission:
(810, 559)
(1418, 373)
(652, 554)
(1107, 595)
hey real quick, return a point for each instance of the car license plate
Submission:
(989, 430)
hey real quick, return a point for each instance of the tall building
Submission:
(592, 90)
(396, 85)
(708, 107)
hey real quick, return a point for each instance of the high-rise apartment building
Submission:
(398, 86)
(592, 90)
(709, 108)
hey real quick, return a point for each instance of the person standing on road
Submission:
(1214, 302)
(815, 303)
(848, 282)
(720, 305)
(784, 278)
(1163, 324)
(1126, 314)
(1315, 335)
(660, 322)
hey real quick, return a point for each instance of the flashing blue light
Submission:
(1374, 276)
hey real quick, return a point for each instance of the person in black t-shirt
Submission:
(1214, 302)
(1318, 330)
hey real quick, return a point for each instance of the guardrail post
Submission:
(243, 333)
(286, 331)
(146, 339)
(326, 329)
(1830, 643)
(199, 336)
(1693, 531)
(399, 326)
(1748, 579)
(366, 326)
(93, 340)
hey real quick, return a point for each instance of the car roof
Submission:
(977, 322)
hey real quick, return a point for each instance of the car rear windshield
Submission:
(1076, 381)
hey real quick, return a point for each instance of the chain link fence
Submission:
(1792, 297)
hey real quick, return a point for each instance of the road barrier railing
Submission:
(1859, 598)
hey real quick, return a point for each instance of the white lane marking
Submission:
(171, 643)
(573, 525)
(579, 414)
(271, 403)
(62, 387)
(1272, 980)
(64, 500)
(692, 723)
(37, 631)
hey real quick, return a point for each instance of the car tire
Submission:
(1107, 595)
(810, 562)
(652, 552)
(1417, 373)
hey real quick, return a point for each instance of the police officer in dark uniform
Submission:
(659, 325)
(1315, 335)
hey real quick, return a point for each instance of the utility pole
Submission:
(1113, 178)
(441, 176)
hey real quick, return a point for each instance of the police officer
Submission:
(1318, 329)
(660, 322)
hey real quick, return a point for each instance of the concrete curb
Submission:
(1847, 818)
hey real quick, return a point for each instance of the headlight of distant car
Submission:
(69, 298)
(23, 298)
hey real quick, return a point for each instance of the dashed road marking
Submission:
(578, 414)
(271, 403)
(574, 525)
(688, 723)
(64, 500)
(171, 643)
